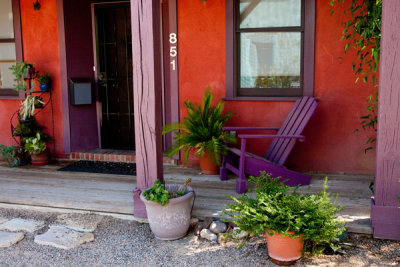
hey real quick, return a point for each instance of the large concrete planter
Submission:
(171, 221)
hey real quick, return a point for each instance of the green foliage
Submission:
(159, 194)
(202, 130)
(10, 154)
(362, 32)
(20, 70)
(27, 128)
(44, 79)
(282, 209)
(36, 144)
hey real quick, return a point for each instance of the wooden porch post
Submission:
(385, 211)
(147, 86)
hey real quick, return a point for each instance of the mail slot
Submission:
(80, 91)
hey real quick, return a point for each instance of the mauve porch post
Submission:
(385, 211)
(147, 86)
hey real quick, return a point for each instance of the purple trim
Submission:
(309, 47)
(261, 98)
(260, 136)
(63, 77)
(230, 50)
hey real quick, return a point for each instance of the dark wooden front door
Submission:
(114, 72)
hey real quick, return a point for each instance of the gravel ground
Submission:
(127, 243)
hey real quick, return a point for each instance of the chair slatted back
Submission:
(294, 124)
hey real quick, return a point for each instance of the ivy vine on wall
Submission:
(362, 32)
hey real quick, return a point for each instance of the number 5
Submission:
(173, 51)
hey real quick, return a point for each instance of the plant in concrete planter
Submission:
(169, 209)
(36, 147)
(202, 130)
(11, 155)
(294, 223)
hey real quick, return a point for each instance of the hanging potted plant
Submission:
(202, 131)
(23, 70)
(36, 147)
(169, 209)
(44, 82)
(293, 223)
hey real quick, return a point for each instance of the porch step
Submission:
(110, 155)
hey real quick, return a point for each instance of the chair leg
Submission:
(223, 172)
(241, 182)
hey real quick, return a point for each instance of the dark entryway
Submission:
(114, 72)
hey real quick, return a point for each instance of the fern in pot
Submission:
(201, 130)
(169, 209)
(293, 223)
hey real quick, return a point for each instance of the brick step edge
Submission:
(75, 156)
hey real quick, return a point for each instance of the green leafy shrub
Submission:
(159, 194)
(36, 144)
(44, 79)
(202, 130)
(282, 209)
(10, 154)
(20, 70)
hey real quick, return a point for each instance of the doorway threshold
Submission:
(111, 155)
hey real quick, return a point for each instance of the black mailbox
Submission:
(80, 91)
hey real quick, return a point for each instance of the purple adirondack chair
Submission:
(241, 162)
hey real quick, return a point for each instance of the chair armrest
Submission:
(250, 128)
(262, 136)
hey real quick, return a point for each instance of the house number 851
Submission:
(172, 50)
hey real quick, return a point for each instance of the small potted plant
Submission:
(202, 131)
(36, 147)
(23, 70)
(293, 223)
(44, 81)
(29, 105)
(169, 209)
(11, 154)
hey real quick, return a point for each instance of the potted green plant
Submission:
(44, 82)
(36, 147)
(23, 70)
(11, 154)
(202, 131)
(169, 209)
(29, 105)
(294, 223)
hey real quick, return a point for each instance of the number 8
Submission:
(172, 38)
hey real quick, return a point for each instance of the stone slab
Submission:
(79, 222)
(63, 237)
(3, 220)
(8, 239)
(18, 224)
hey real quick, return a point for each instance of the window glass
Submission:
(270, 13)
(6, 20)
(270, 60)
(7, 51)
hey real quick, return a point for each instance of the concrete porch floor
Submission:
(44, 187)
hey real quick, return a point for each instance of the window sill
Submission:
(9, 94)
(262, 98)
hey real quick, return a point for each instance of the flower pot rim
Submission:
(176, 200)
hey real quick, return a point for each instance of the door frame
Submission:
(169, 24)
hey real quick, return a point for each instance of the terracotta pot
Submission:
(207, 165)
(171, 221)
(284, 250)
(40, 159)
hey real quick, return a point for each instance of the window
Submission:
(270, 48)
(10, 45)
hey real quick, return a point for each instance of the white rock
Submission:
(79, 222)
(218, 227)
(239, 233)
(3, 220)
(18, 224)
(207, 234)
(64, 238)
(8, 239)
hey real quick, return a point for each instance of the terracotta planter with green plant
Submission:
(201, 130)
(280, 212)
(36, 147)
(169, 209)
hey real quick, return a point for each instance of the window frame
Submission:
(233, 54)
(10, 93)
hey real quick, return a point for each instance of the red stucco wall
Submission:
(331, 145)
(40, 45)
